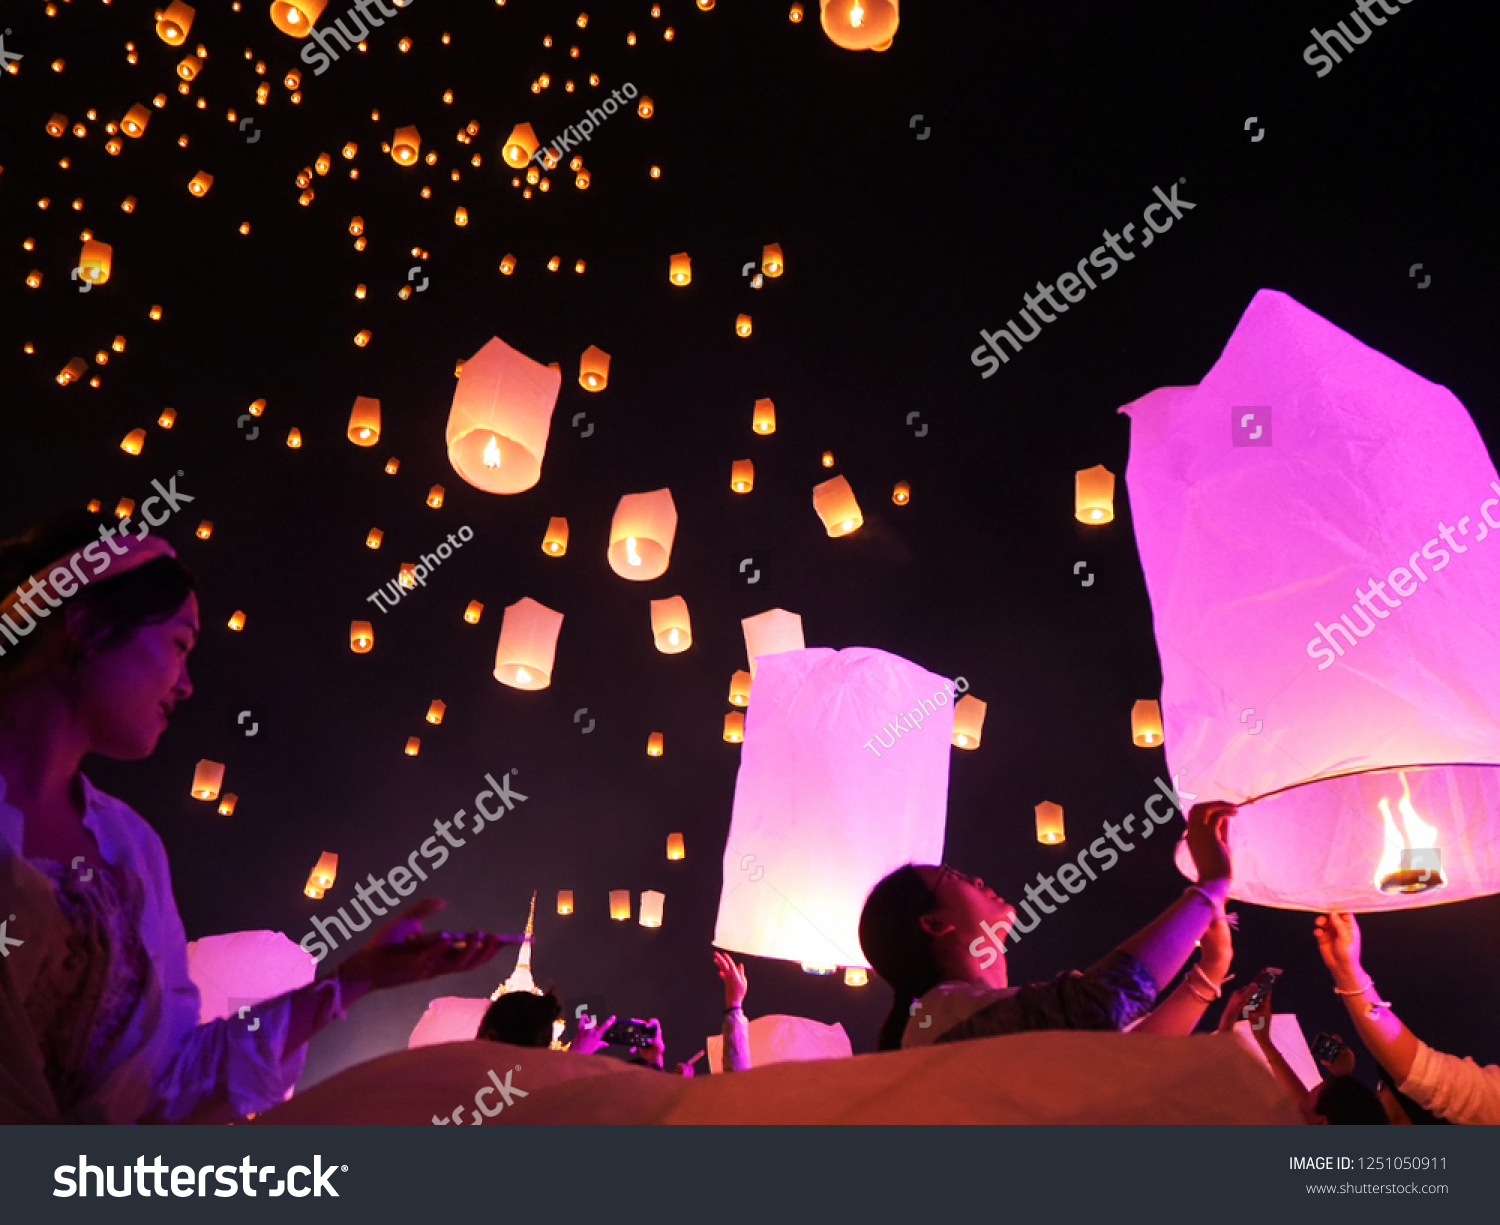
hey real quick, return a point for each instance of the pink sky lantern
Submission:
(818, 818)
(501, 416)
(527, 650)
(1313, 521)
(244, 968)
(449, 1018)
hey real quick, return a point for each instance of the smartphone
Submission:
(629, 1033)
(1264, 981)
(1326, 1048)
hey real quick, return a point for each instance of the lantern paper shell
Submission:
(364, 422)
(734, 726)
(742, 476)
(828, 818)
(135, 121)
(564, 901)
(655, 745)
(95, 261)
(528, 645)
(1359, 708)
(520, 145)
(771, 262)
(188, 68)
(208, 777)
(237, 620)
(133, 442)
(619, 905)
(1049, 823)
(435, 497)
(771, 633)
(739, 689)
(680, 270)
(473, 612)
(413, 746)
(671, 626)
(501, 418)
(227, 803)
(555, 542)
(361, 637)
(861, 25)
(436, 711)
(968, 721)
(296, 17)
(240, 969)
(901, 495)
(406, 146)
(641, 535)
(764, 421)
(593, 369)
(835, 504)
(675, 847)
(1145, 724)
(325, 872)
(175, 22)
(200, 183)
(651, 907)
(1094, 495)
(742, 325)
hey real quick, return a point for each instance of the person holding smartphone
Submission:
(98, 1016)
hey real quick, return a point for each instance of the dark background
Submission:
(1048, 123)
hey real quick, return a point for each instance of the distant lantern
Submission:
(350, 150)
(901, 495)
(564, 901)
(188, 67)
(671, 626)
(257, 407)
(645, 108)
(593, 369)
(94, 506)
(124, 508)
(734, 726)
(1145, 723)
(528, 645)
(835, 504)
(372, 541)
(205, 529)
(392, 465)
(405, 145)
(651, 906)
(675, 847)
(207, 779)
(619, 905)
(237, 620)
(1094, 495)
(764, 421)
(508, 265)
(520, 145)
(742, 325)
(680, 269)
(296, 17)
(1049, 823)
(356, 226)
(861, 25)
(132, 443)
(771, 633)
(155, 312)
(436, 711)
(135, 121)
(460, 216)
(364, 422)
(361, 637)
(58, 124)
(771, 262)
(73, 371)
(742, 476)
(174, 23)
(555, 542)
(435, 497)
(200, 183)
(641, 535)
(581, 181)
(413, 746)
(856, 976)
(407, 575)
(655, 744)
(362, 337)
(739, 689)
(968, 720)
(473, 612)
(95, 261)
(226, 805)
(294, 438)
(828, 459)
(320, 879)
(501, 417)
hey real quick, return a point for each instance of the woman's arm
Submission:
(1181, 1011)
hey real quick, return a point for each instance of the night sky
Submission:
(1046, 124)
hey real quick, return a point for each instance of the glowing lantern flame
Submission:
(523, 676)
(1397, 872)
(631, 555)
(492, 453)
(856, 16)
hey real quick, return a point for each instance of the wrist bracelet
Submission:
(1218, 907)
(1217, 988)
(1375, 1004)
(1207, 999)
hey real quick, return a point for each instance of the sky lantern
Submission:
(555, 542)
(133, 442)
(593, 369)
(1145, 723)
(508, 265)
(835, 504)
(641, 535)
(208, 777)
(742, 325)
(435, 497)
(675, 847)
(405, 146)
(819, 816)
(320, 879)
(205, 529)
(739, 689)
(564, 901)
(364, 422)
(95, 261)
(372, 541)
(436, 711)
(764, 420)
(734, 726)
(189, 67)
(528, 645)
(619, 905)
(1094, 495)
(413, 746)
(1049, 823)
(520, 145)
(473, 612)
(645, 108)
(771, 262)
(57, 125)
(361, 637)
(861, 25)
(651, 907)
(500, 419)
(1309, 675)
(742, 476)
(135, 121)
(680, 269)
(227, 803)
(968, 721)
(174, 23)
(294, 438)
(655, 744)
(296, 17)
(671, 626)
(200, 183)
(237, 620)
(771, 633)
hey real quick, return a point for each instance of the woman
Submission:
(921, 924)
(98, 1017)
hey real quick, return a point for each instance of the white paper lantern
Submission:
(243, 968)
(770, 633)
(500, 419)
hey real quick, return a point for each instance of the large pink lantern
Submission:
(500, 419)
(239, 969)
(449, 1018)
(1314, 521)
(823, 806)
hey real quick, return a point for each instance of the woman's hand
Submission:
(400, 952)
(1260, 1019)
(1217, 951)
(1208, 841)
(1338, 939)
(735, 983)
(589, 1038)
(655, 1051)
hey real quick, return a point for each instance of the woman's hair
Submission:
(110, 608)
(1343, 1099)
(891, 934)
(521, 1019)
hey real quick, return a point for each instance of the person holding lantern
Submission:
(98, 1016)
(919, 923)
(1458, 1090)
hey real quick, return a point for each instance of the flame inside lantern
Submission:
(631, 555)
(492, 453)
(1409, 861)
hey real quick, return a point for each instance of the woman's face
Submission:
(966, 902)
(128, 690)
